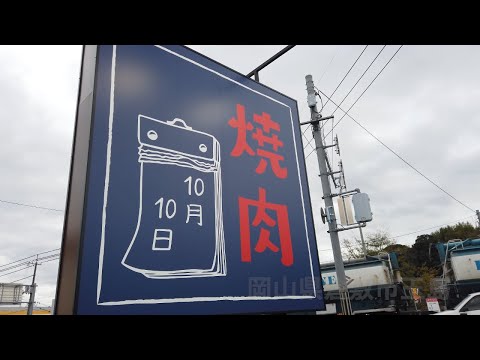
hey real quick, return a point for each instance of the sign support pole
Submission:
(70, 252)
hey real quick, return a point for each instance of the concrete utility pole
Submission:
(32, 290)
(327, 195)
(478, 216)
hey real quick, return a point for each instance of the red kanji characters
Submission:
(274, 162)
(242, 126)
(267, 125)
(261, 216)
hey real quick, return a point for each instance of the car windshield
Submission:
(461, 303)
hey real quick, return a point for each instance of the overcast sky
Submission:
(424, 105)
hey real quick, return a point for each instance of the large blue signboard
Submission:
(196, 194)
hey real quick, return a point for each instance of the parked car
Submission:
(468, 306)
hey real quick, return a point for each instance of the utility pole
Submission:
(32, 290)
(327, 196)
(478, 216)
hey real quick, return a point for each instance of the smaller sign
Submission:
(345, 210)
(432, 304)
(361, 205)
(11, 293)
(416, 295)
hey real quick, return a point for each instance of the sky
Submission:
(424, 106)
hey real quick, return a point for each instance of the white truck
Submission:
(460, 261)
(374, 285)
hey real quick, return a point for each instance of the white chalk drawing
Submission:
(162, 243)
(138, 299)
(154, 152)
(194, 210)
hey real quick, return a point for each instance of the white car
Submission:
(468, 306)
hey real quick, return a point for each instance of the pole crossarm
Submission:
(360, 225)
(355, 191)
(317, 120)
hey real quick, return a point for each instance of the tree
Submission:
(424, 254)
(408, 270)
(374, 243)
(462, 230)
(425, 281)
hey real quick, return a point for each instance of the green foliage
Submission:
(374, 243)
(459, 231)
(424, 281)
(408, 270)
(419, 264)
(424, 254)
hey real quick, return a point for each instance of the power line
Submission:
(328, 66)
(28, 205)
(307, 139)
(415, 232)
(346, 112)
(26, 277)
(16, 271)
(333, 120)
(433, 227)
(360, 78)
(307, 127)
(304, 131)
(43, 262)
(16, 266)
(348, 72)
(48, 257)
(27, 264)
(311, 152)
(45, 252)
(13, 262)
(28, 257)
(308, 143)
(324, 72)
(406, 162)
